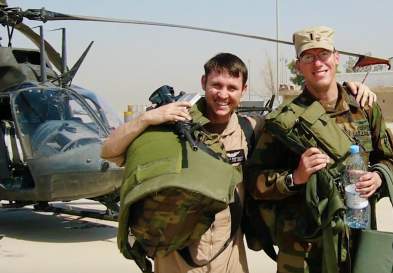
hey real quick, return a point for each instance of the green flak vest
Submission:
(170, 193)
(300, 127)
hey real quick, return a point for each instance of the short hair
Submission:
(227, 62)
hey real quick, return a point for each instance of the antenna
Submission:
(42, 55)
(365, 77)
(64, 67)
(63, 50)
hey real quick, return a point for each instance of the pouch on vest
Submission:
(170, 193)
(301, 127)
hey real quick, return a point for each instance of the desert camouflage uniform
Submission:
(282, 208)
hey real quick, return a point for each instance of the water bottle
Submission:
(357, 214)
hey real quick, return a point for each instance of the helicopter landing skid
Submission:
(109, 216)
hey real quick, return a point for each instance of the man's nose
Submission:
(223, 94)
(317, 61)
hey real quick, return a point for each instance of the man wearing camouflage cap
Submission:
(282, 173)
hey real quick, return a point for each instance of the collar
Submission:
(345, 100)
(199, 115)
(198, 112)
(231, 126)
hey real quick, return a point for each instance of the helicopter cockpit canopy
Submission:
(53, 120)
(103, 110)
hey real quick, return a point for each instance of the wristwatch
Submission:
(289, 181)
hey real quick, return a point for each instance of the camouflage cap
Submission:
(315, 37)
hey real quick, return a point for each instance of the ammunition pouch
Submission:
(304, 126)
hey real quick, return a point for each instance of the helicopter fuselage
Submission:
(52, 141)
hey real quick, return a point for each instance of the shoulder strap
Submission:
(248, 131)
(236, 211)
(251, 210)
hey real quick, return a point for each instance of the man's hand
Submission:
(368, 183)
(311, 161)
(115, 146)
(363, 93)
(172, 112)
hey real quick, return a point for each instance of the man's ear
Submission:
(245, 87)
(203, 82)
(337, 57)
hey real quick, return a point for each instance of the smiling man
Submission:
(222, 92)
(287, 170)
(224, 83)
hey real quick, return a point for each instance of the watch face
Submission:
(289, 180)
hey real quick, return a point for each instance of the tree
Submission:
(297, 78)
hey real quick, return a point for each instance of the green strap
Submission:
(329, 257)
(387, 175)
(138, 254)
(236, 211)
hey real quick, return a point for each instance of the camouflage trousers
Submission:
(298, 257)
(295, 255)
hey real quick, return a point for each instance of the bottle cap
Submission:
(354, 149)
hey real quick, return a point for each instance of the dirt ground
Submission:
(38, 242)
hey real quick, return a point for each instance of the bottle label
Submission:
(352, 198)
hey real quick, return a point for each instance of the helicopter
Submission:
(52, 130)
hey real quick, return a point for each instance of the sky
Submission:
(128, 62)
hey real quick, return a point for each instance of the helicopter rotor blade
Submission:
(53, 55)
(45, 15)
(366, 60)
